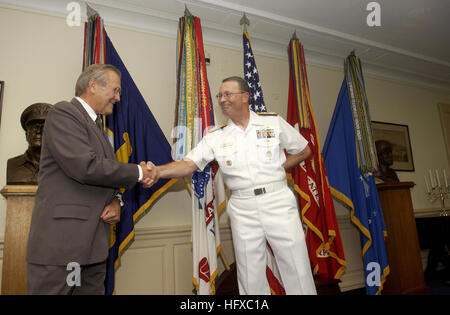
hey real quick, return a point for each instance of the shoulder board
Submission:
(218, 127)
(267, 114)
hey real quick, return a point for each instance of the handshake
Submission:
(150, 174)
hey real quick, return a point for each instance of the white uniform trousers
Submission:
(274, 217)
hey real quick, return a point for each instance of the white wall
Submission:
(40, 59)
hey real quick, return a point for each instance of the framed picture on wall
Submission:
(398, 136)
(2, 87)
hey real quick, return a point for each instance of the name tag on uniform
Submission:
(265, 133)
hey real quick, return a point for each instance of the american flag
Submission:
(251, 75)
(256, 104)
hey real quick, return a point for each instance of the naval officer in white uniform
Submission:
(250, 152)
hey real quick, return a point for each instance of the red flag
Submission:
(309, 178)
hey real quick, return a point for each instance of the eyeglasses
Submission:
(117, 91)
(227, 95)
(106, 85)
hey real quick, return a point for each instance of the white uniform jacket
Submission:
(251, 157)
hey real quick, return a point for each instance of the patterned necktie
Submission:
(98, 122)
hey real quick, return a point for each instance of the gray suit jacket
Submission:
(78, 176)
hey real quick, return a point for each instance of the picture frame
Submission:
(398, 136)
(2, 87)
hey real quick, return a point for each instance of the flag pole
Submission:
(224, 259)
(188, 185)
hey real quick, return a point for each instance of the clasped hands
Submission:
(150, 174)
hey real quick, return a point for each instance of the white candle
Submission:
(445, 178)
(437, 176)
(431, 179)
(426, 183)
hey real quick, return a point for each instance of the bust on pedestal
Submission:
(385, 160)
(23, 169)
(21, 180)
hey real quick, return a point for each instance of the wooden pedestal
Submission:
(402, 244)
(20, 203)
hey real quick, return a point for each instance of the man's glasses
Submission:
(117, 91)
(227, 95)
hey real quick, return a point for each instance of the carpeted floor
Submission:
(439, 283)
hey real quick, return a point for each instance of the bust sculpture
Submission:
(23, 169)
(385, 160)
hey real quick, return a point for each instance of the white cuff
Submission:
(119, 196)
(141, 174)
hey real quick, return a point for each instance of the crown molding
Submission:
(137, 18)
(303, 26)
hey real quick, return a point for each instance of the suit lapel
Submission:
(110, 148)
(107, 147)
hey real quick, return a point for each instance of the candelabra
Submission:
(442, 193)
(438, 191)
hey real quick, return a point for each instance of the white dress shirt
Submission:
(94, 116)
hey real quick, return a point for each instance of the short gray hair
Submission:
(243, 85)
(96, 72)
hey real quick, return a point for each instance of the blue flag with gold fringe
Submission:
(351, 174)
(136, 137)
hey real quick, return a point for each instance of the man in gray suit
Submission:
(77, 198)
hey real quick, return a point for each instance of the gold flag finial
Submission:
(245, 21)
(186, 11)
(91, 13)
